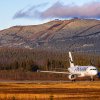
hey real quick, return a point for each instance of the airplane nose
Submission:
(94, 72)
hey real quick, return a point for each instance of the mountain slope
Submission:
(74, 34)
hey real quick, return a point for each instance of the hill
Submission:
(74, 34)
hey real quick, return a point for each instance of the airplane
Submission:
(75, 71)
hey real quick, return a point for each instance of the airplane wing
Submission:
(55, 72)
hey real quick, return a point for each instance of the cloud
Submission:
(30, 12)
(90, 10)
(58, 10)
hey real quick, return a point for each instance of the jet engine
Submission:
(72, 76)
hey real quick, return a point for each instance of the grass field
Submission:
(50, 91)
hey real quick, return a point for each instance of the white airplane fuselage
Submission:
(82, 71)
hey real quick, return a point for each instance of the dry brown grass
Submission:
(47, 91)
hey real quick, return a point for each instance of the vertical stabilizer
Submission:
(71, 60)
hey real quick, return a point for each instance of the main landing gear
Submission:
(73, 80)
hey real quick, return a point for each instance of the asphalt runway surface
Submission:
(27, 81)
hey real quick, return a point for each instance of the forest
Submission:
(31, 60)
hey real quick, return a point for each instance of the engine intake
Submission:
(72, 76)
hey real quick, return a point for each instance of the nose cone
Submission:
(94, 72)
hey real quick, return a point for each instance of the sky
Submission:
(33, 12)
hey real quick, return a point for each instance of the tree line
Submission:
(32, 60)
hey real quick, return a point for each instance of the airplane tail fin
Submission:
(71, 60)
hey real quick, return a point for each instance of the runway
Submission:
(40, 82)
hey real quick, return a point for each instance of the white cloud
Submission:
(58, 10)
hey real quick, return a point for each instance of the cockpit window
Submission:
(92, 69)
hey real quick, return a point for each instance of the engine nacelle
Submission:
(72, 76)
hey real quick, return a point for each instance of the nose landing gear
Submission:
(92, 78)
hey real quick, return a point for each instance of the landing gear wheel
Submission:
(73, 80)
